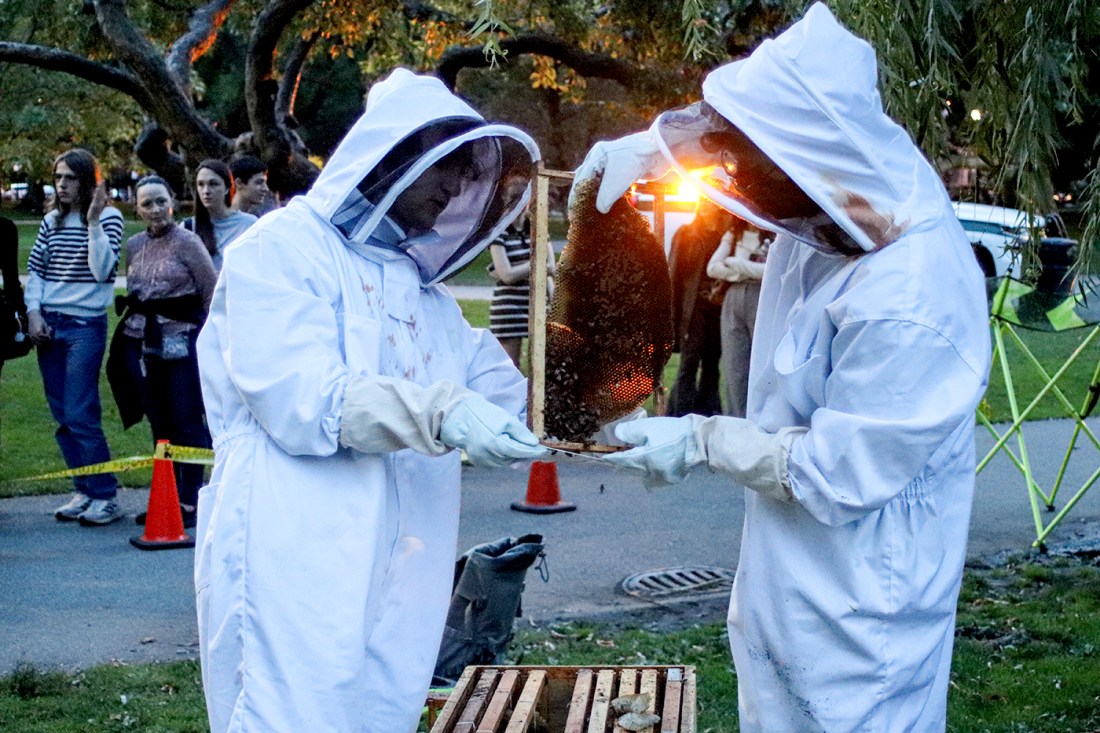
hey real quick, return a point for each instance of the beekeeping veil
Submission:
(412, 129)
(808, 100)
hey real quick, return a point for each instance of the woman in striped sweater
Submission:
(511, 270)
(70, 284)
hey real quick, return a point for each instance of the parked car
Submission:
(996, 234)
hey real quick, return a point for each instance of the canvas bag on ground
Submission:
(488, 586)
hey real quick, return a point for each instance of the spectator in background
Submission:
(170, 278)
(511, 269)
(251, 194)
(14, 341)
(216, 224)
(695, 315)
(69, 286)
(739, 263)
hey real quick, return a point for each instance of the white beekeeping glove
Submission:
(621, 162)
(490, 436)
(666, 448)
(383, 414)
(669, 447)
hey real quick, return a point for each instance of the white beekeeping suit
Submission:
(869, 357)
(338, 377)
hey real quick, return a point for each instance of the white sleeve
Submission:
(716, 266)
(896, 393)
(104, 241)
(280, 343)
(383, 414)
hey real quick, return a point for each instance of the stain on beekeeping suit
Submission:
(609, 334)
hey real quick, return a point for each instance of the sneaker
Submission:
(101, 511)
(71, 511)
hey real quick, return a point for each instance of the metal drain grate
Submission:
(682, 580)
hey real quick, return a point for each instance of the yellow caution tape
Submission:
(116, 466)
(164, 451)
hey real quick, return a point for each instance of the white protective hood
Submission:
(808, 99)
(398, 108)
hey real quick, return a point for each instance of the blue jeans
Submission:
(70, 362)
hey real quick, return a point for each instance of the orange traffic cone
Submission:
(543, 493)
(163, 519)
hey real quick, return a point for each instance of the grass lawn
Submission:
(1026, 653)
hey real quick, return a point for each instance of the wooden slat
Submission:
(561, 175)
(627, 685)
(435, 703)
(445, 722)
(478, 698)
(501, 702)
(536, 324)
(687, 704)
(601, 701)
(578, 704)
(649, 687)
(628, 682)
(670, 710)
(523, 717)
(575, 447)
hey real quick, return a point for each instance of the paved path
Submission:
(71, 597)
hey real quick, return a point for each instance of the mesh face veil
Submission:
(442, 194)
(744, 180)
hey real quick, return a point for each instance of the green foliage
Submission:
(154, 698)
(1028, 642)
(45, 113)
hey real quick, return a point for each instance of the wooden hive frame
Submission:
(561, 699)
(538, 312)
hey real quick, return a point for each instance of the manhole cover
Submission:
(682, 580)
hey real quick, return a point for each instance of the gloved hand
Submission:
(669, 447)
(490, 436)
(666, 448)
(621, 162)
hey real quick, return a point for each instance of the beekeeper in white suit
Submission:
(339, 377)
(870, 355)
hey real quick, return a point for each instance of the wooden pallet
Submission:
(565, 699)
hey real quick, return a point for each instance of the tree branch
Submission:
(55, 59)
(292, 74)
(260, 71)
(202, 29)
(416, 10)
(585, 63)
(171, 106)
(289, 168)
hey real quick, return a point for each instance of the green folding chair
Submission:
(1018, 305)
